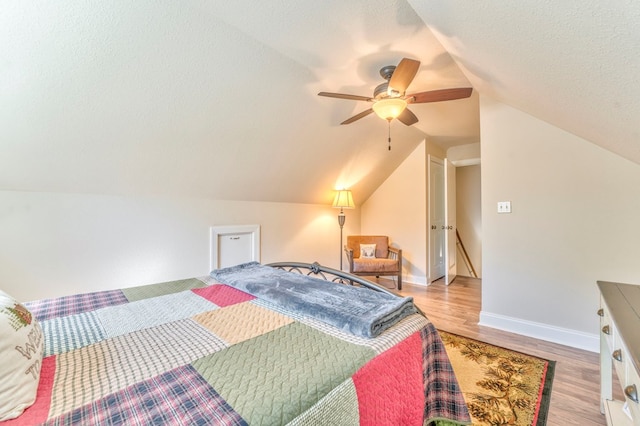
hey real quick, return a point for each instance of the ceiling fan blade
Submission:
(407, 117)
(344, 96)
(358, 116)
(403, 75)
(439, 95)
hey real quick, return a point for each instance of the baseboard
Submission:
(563, 336)
(415, 280)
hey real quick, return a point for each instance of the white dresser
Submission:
(620, 351)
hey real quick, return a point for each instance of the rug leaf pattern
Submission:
(500, 386)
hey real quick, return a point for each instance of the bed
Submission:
(284, 343)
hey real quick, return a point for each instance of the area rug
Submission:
(500, 386)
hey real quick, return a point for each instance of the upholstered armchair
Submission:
(371, 255)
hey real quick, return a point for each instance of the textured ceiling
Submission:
(573, 64)
(219, 98)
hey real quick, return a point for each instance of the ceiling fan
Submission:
(389, 98)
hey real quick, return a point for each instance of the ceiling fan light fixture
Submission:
(389, 108)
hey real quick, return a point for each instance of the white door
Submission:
(235, 244)
(450, 225)
(234, 249)
(437, 219)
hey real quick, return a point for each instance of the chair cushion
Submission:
(375, 265)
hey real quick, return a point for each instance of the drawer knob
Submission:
(632, 392)
(617, 355)
(600, 312)
(606, 329)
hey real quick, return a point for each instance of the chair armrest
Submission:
(395, 253)
(349, 253)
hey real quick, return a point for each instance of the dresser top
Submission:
(623, 301)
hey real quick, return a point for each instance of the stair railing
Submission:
(465, 256)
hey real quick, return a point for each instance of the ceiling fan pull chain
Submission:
(389, 122)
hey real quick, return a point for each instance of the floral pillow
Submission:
(368, 251)
(21, 351)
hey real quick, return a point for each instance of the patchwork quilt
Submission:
(199, 352)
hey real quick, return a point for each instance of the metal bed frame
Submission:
(329, 274)
(333, 275)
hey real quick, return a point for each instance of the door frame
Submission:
(217, 232)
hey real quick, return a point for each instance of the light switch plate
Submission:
(504, 206)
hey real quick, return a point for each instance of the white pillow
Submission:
(21, 350)
(368, 251)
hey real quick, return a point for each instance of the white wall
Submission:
(57, 244)
(398, 208)
(469, 217)
(574, 221)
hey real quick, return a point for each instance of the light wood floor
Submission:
(576, 386)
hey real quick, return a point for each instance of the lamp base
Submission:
(341, 219)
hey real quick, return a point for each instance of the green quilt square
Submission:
(274, 377)
(160, 289)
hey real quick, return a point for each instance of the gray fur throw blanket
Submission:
(356, 310)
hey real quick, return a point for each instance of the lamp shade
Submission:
(343, 200)
(389, 108)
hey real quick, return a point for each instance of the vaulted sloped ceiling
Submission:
(574, 64)
(218, 99)
(210, 98)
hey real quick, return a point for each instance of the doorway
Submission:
(469, 222)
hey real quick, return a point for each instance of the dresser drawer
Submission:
(615, 414)
(620, 351)
(619, 354)
(631, 388)
(606, 325)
